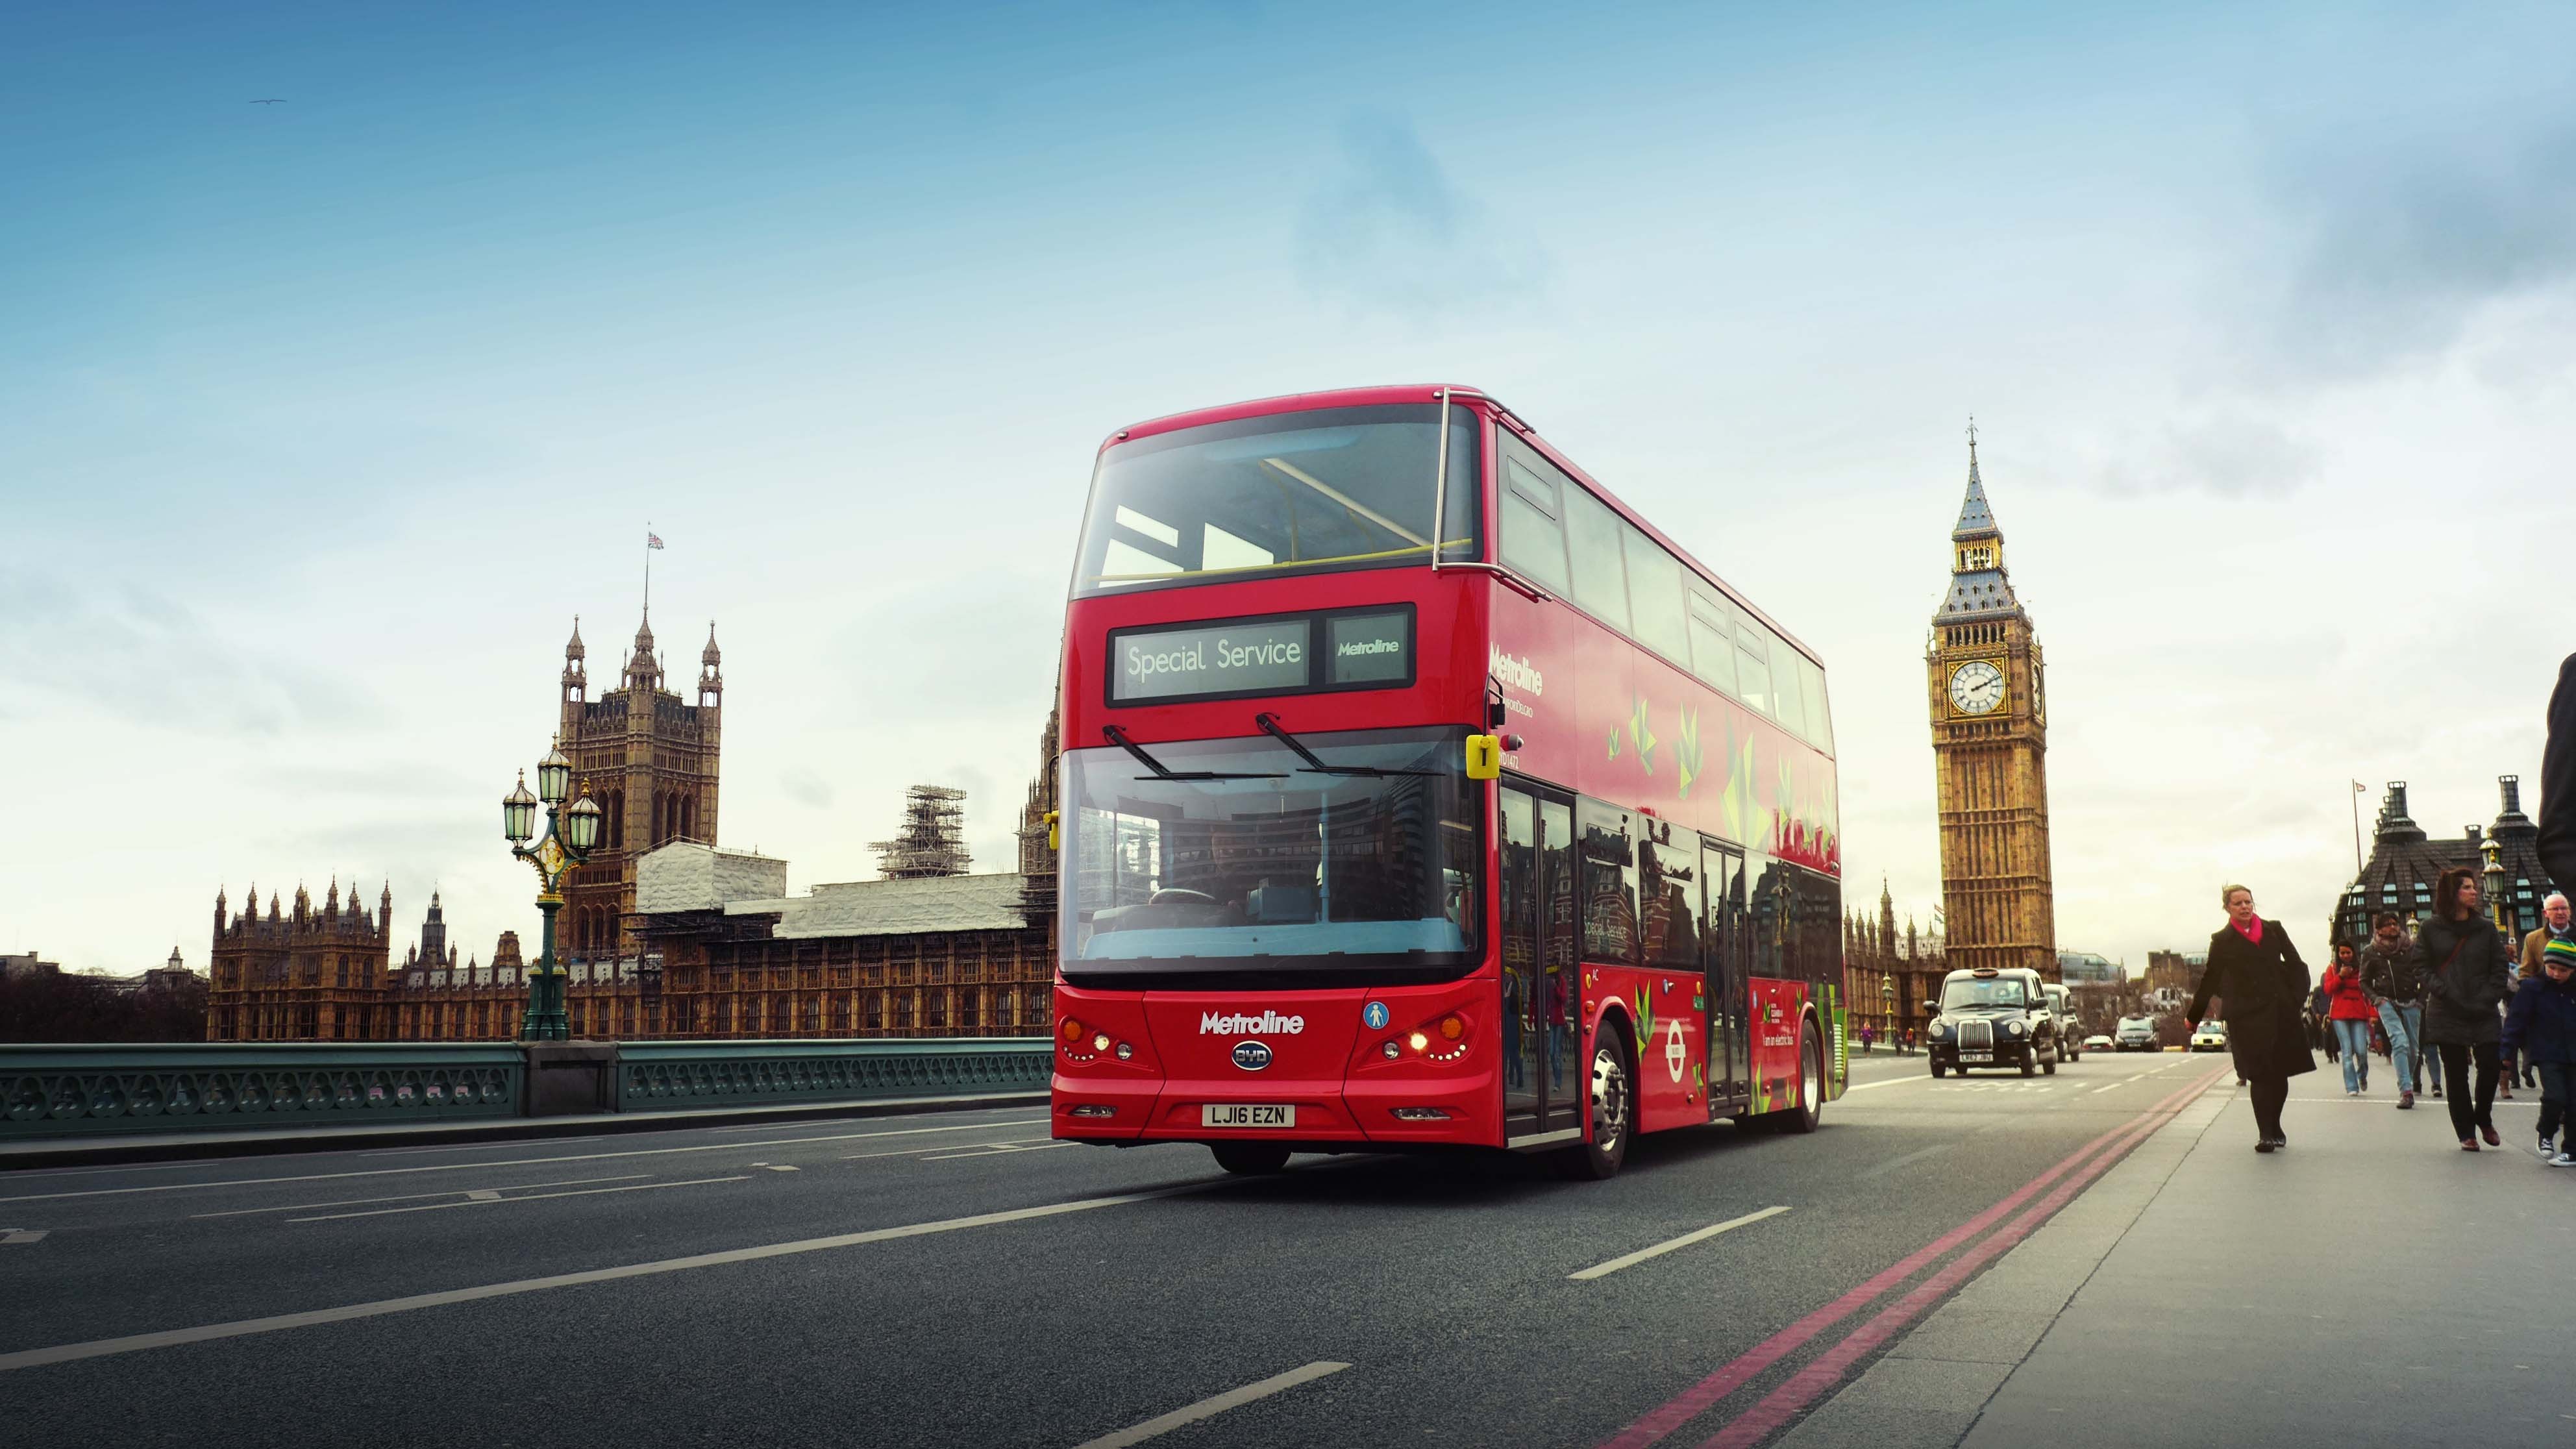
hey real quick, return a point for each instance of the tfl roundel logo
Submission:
(1252, 1056)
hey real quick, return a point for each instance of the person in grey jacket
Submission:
(2388, 973)
(2469, 970)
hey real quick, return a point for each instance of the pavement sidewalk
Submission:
(2371, 1285)
(107, 1149)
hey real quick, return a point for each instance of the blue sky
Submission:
(322, 419)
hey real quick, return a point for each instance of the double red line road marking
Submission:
(1803, 1388)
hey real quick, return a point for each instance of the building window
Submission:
(903, 1011)
(966, 1008)
(876, 1011)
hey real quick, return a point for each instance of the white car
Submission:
(2097, 1042)
(2209, 1036)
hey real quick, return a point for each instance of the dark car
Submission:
(1992, 1017)
(2069, 1031)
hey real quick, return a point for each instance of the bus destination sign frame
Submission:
(1328, 651)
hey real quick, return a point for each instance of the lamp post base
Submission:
(546, 1019)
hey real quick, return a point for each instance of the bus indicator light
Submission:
(1418, 1041)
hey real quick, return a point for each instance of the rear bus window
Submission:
(1820, 723)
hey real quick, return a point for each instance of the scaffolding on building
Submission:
(932, 838)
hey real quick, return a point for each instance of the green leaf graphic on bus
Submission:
(1686, 758)
(1641, 733)
(1645, 1015)
(1614, 742)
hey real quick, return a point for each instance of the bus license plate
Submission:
(1976, 1056)
(1246, 1114)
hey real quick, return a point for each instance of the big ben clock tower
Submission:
(1990, 753)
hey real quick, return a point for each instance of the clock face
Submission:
(1977, 687)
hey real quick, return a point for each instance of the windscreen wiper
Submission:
(1270, 726)
(1118, 737)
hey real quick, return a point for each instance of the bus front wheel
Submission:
(1253, 1159)
(1613, 1107)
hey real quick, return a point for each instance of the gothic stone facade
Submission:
(1887, 976)
(1990, 750)
(305, 974)
(650, 760)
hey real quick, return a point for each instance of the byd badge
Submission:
(1252, 1056)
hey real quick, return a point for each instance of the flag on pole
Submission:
(652, 540)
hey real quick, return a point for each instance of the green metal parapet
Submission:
(113, 1087)
(663, 1076)
(92, 1088)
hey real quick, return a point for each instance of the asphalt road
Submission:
(955, 1279)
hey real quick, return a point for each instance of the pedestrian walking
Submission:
(2465, 958)
(2554, 925)
(2557, 842)
(2542, 1024)
(2258, 981)
(2348, 1014)
(2389, 974)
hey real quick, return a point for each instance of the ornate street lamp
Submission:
(2499, 904)
(569, 836)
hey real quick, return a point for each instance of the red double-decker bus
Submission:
(1415, 792)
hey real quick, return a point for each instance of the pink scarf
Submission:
(2251, 931)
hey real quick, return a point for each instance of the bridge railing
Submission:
(112, 1087)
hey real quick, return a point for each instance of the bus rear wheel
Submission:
(1252, 1159)
(1614, 1111)
(1811, 1086)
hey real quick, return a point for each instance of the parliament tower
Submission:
(1990, 753)
(649, 758)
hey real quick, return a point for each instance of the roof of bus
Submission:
(1382, 396)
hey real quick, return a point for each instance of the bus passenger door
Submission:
(1722, 939)
(1536, 894)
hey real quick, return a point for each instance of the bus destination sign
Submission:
(1263, 656)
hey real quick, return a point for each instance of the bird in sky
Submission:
(271, 101)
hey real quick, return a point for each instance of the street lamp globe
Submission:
(554, 777)
(581, 825)
(519, 812)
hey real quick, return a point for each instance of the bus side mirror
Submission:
(1484, 757)
(1055, 832)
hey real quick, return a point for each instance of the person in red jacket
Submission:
(2348, 1014)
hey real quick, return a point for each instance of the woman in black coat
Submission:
(2463, 956)
(2260, 984)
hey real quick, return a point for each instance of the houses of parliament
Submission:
(717, 949)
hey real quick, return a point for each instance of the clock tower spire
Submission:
(1990, 753)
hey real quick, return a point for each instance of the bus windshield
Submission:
(1271, 863)
(1338, 488)
(1973, 991)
